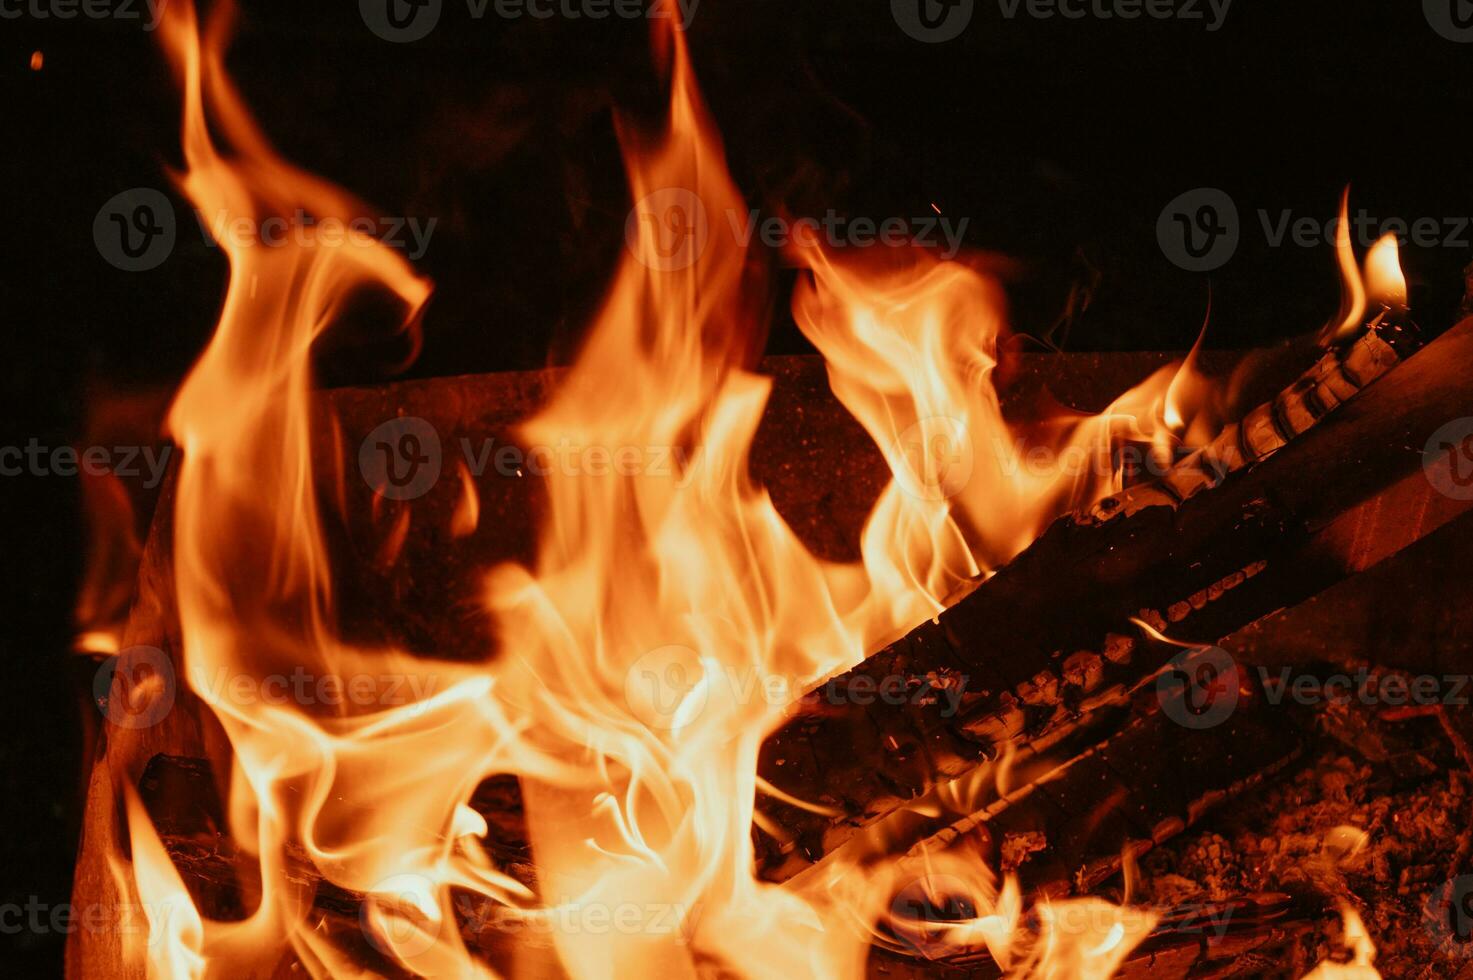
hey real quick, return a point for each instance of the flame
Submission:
(912, 349)
(111, 508)
(627, 691)
(467, 515)
(1383, 282)
(113, 553)
(1357, 941)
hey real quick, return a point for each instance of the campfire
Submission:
(919, 657)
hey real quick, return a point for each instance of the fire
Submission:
(1383, 283)
(1357, 942)
(620, 694)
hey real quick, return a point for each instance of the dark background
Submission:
(1060, 140)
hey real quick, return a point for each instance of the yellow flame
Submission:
(1356, 941)
(1385, 282)
(627, 690)
(1382, 283)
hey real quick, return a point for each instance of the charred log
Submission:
(1036, 652)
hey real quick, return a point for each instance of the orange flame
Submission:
(1383, 282)
(1357, 941)
(659, 635)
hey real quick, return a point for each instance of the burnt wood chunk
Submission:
(1036, 643)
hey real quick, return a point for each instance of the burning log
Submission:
(1265, 537)
(1149, 781)
(1237, 938)
(823, 470)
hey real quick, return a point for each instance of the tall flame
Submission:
(1382, 284)
(628, 693)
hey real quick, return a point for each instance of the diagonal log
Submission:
(821, 469)
(1047, 642)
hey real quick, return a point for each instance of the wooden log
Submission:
(1218, 940)
(822, 470)
(1144, 784)
(1036, 645)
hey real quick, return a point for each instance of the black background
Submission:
(1059, 140)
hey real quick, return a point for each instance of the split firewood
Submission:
(1146, 783)
(822, 470)
(1043, 645)
(1240, 937)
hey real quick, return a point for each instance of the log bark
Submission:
(1044, 642)
(822, 470)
